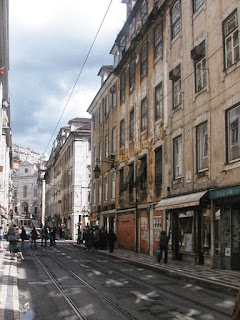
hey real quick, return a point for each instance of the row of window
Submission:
(25, 192)
(202, 159)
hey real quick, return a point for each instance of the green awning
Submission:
(224, 193)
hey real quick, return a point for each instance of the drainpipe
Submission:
(212, 235)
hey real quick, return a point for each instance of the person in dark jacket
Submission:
(163, 246)
(23, 237)
(111, 240)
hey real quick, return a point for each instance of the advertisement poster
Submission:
(144, 228)
(157, 227)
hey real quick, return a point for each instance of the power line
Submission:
(83, 65)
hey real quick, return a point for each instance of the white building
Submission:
(5, 131)
(68, 179)
(25, 192)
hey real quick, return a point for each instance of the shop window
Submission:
(231, 40)
(186, 231)
(233, 132)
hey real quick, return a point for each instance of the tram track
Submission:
(166, 290)
(80, 315)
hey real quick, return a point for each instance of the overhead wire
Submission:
(83, 65)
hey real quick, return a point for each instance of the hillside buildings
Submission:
(5, 131)
(165, 132)
(68, 179)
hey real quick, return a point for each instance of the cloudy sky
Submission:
(49, 42)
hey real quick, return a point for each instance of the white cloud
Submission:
(49, 41)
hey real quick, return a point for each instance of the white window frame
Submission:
(202, 146)
(177, 157)
(176, 19)
(106, 146)
(231, 40)
(233, 134)
(106, 187)
(177, 93)
(200, 74)
(100, 151)
(113, 185)
(122, 133)
(158, 41)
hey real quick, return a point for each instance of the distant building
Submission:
(68, 179)
(25, 194)
(25, 154)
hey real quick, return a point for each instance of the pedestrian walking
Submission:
(79, 235)
(12, 239)
(34, 236)
(18, 248)
(111, 240)
(163, 246)
(23, 237)
(89, 239)
(236, 309)
(1, 238)
(44, 236)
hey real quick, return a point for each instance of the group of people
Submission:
(46, 234)
(100, 239)
(16, 244)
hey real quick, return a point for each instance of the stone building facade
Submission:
(68, 179)
(166, 131)
(5, 129)
(26, 204)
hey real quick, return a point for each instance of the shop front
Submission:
(189, 227)
(226, 206)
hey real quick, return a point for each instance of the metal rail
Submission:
(69, 300)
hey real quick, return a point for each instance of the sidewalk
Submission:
(228, 279)
(9, 301)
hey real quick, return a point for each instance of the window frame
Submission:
(132, 75)
(178, 158)
(114, 139)
(122, 134)
(158, 171)
(131, 125)
(144, 60)
(177, 93)
(100, 189)
(158, 41)
(106, 186)
(200, 74)
(144, 12)
(158, 101)
(144, 114)
(176, 21)
(106, 151)
(197, 4)
(202, 146)
(113, 185)
(233, 134)
(229, 34)
(123, 86)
